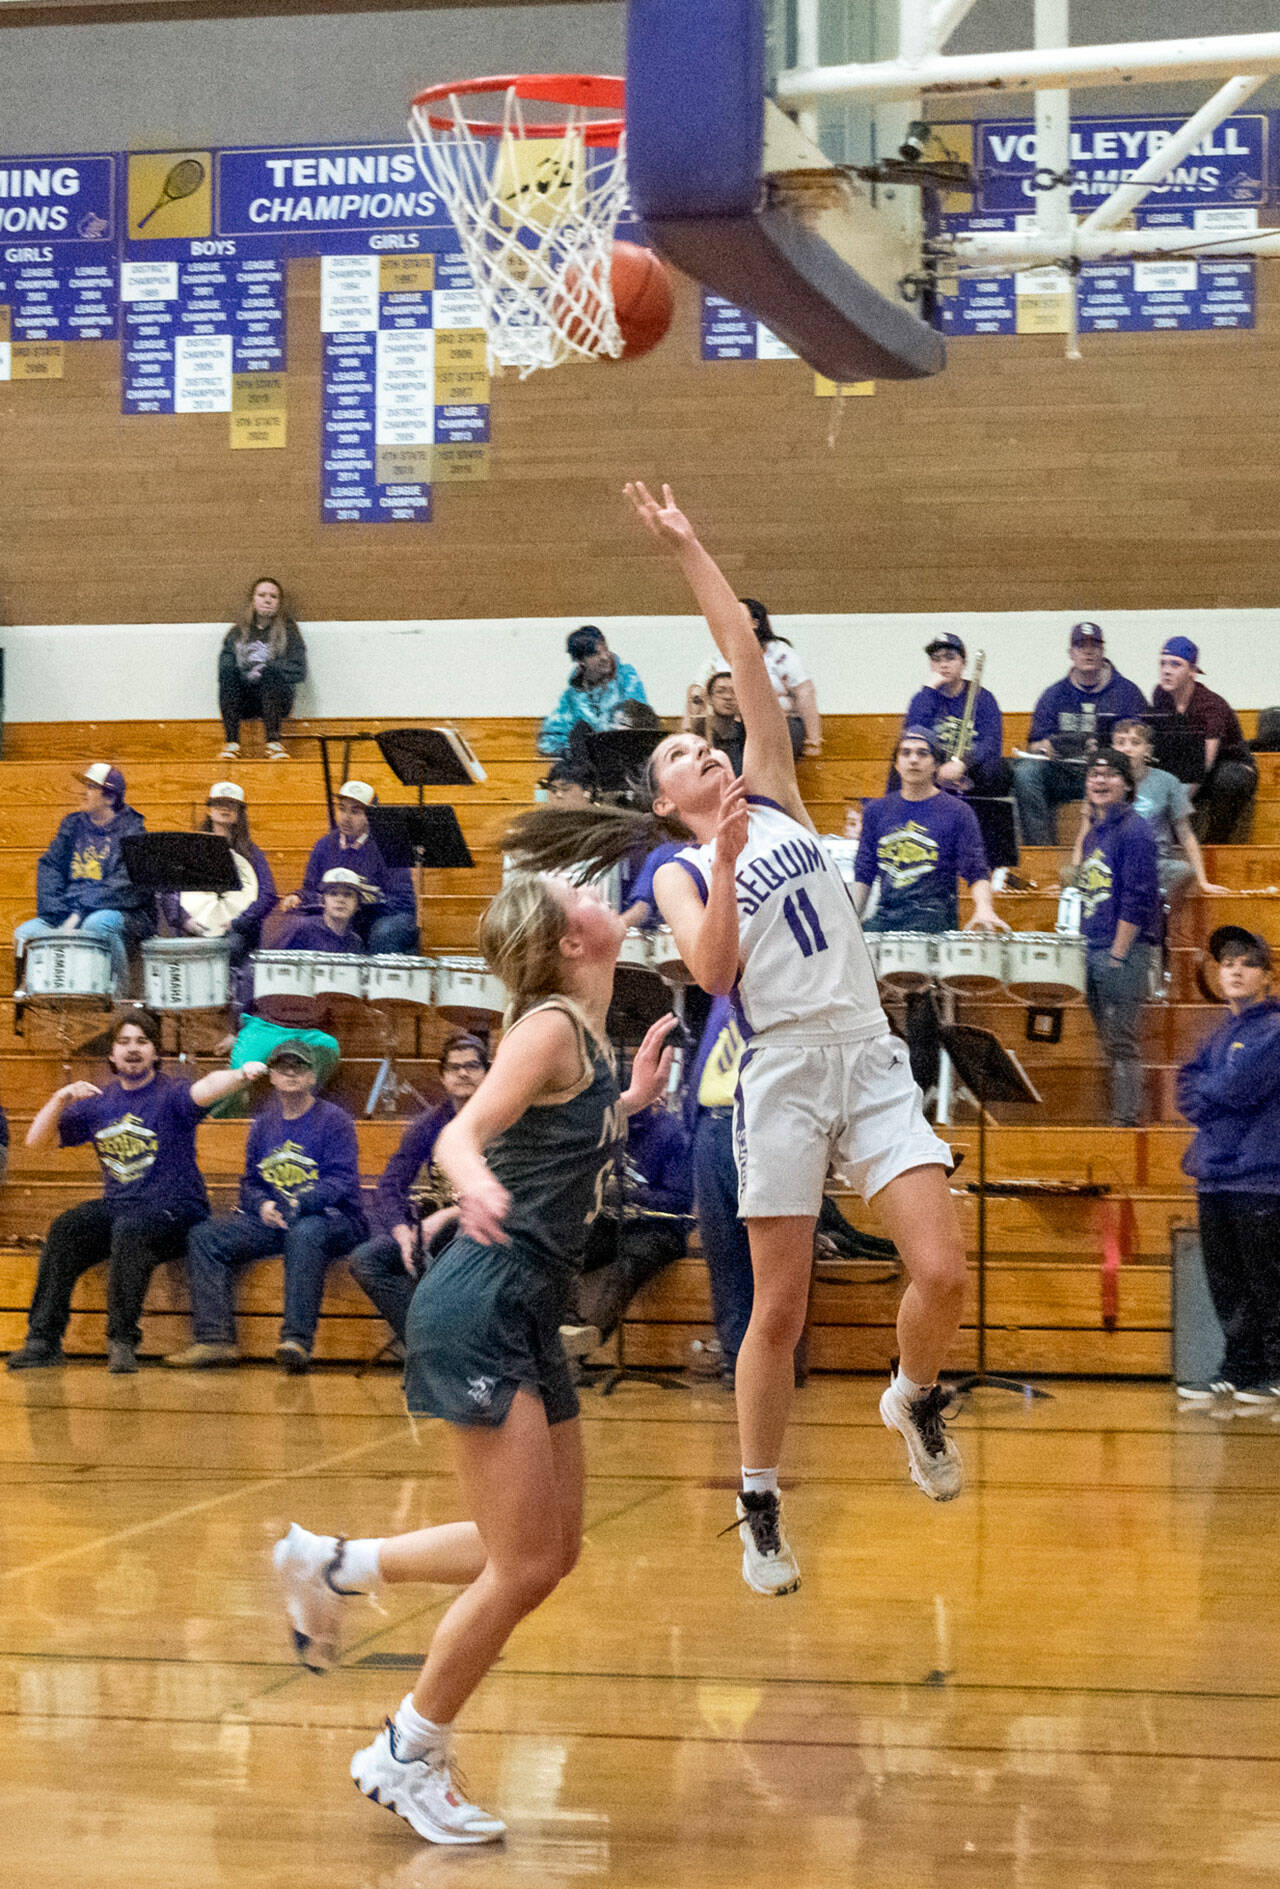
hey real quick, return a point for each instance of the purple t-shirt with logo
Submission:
(145, 1140)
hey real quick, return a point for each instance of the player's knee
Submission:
(527, 1583)
(943, 1274)
(570, 1552)
(779, 1322)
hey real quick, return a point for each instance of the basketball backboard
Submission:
(746, 199)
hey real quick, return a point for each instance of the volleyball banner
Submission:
(59, 242)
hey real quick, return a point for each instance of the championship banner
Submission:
(730, 333)
(192, 326)
(59, 239)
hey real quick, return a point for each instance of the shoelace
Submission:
(763, 1523)
(926, 1414)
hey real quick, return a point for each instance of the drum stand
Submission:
(67, 1016)
(389, 1086)
(993, 1074)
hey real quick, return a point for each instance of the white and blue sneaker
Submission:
(426, 1792)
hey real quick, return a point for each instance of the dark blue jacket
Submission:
(1119, 878)
(83, 871)
(930, 708)
(1060, 709)
(658, 1147)
(1230, 1093)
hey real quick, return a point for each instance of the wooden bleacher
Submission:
(1044, 1298)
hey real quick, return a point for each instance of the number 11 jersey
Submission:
(805, 974)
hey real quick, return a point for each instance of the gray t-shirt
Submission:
(1161, 799)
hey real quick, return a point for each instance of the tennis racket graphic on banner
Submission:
(183, 180)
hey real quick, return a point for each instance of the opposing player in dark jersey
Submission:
(527, 1157)
(757, 908)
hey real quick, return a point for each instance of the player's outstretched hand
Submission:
(665, 521)
(731, 827)
(482, 1210)
(650, 1066)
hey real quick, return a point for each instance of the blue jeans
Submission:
(1115, 994)
(218, 1249)
(1040, 788)
(723, 1234)
(112, 928)
(394, 932)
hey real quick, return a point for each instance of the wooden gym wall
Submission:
(1147, 476)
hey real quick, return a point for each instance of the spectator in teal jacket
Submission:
(598, 688)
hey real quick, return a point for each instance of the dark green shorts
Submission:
(484, 1323)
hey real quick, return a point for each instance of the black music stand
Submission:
(180, 862)
(992, 1074)
(618, 755)
(997, 819)
(429, 837)
(428, 757)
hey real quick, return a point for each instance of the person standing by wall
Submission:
(1230, 1093)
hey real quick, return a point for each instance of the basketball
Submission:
(643, 298)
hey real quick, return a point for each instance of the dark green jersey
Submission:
(554, 1161)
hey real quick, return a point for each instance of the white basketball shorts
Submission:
(801, 1107)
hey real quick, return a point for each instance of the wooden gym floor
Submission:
(1066, 1677)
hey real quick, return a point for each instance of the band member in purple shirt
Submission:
(143, 1130)
(413, 1210)
(1123, 922)
(299, 1196)
(1065, 730)
(389, 920)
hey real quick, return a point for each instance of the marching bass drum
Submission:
(214, 911)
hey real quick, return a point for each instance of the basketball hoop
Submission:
(535, 214)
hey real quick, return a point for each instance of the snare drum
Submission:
(400, 979)
(186, 973)
(666, 960)
(907, 960)
(308, 973)
(871, 939)
(637, 950)
(971, 963)
(1043, 968)
(468, 985)
(338, 973)
(67, 968)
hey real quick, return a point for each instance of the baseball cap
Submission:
(945, 639)
(930, 738)
(357, 790)
(579, 772)
(1252, 943)
(226, 790)
(584, 641)
(109, 779)
(294, 1046)
(342, 879)
(1184, 649)
(1086, 633)
(1118, 763)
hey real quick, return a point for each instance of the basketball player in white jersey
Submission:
(758, 909)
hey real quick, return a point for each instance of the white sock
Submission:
(415, 1735)
(759, 1481)
(359, 1567)
(908, 1386)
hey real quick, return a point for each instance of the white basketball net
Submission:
(537, 233)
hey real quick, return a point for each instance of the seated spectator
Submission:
(1230, 1093)
(914, 847)
(82, 883)
(790, 679)
(262, 661)
(940, 705)
(1223, 799)
(1122, 922)
(647, 1217)
(1064, 732)
(598, 687)
(711, 710)
(413, 1211)
(235, 916)
(1164, 803)
(271, 1021)
(388, 918)
(143, 1130)
(333, 928)
(569, 784)
(300, 1197)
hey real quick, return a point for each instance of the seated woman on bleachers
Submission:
(236, 916)
(262, 661)
(81, 882)
(791, 681)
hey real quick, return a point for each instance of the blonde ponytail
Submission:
(520, 935)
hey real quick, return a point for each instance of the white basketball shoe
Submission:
(425, 1791)
(768, 1565)
(932, 1457)
(309, 1570)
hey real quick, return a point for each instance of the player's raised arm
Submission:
(767, 764)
